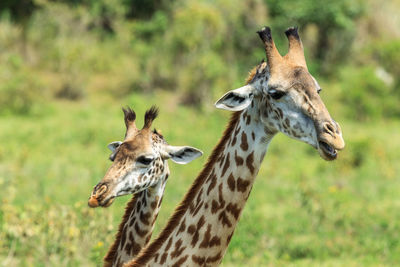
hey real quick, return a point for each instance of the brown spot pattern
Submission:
(181, 261)
(200, 224)
(182, 227)
(208, 241)
(244, 145)
(154, 203)
(203, 260)
(144, 217)
(199, 260)
(224, 219)
(169, 244)
(226, 165)
(239, 160)
(220, 204)
(163, 258)
(212, 183)
(248, 119)
(233, 209)
(140, 232)
(178, 249)
(242, 184)
(249, 162)
(231, 182)
(207, 237)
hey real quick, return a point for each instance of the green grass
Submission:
(302, 211)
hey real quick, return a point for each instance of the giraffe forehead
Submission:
(132, 149)
(297, 78)
(140, 143)
(289, 78)
(304, 81)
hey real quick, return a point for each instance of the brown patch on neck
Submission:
(112, 252)
(146, 254)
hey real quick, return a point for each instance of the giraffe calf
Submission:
(140, 168)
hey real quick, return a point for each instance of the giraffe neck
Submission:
(202, 226)
(137, 224)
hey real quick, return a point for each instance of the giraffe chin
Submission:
(108, 202)
(326, 151)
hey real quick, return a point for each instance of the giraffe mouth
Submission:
(107, 202)
(94, 202)
(328, 152)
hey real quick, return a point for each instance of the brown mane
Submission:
(173, 222)
(251, 75)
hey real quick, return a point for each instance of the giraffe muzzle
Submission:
(330, 139)
(93, 202)
(98, 197)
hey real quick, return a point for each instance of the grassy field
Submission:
(302, 211)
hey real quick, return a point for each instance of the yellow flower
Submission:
(333, 189)
(73, 231)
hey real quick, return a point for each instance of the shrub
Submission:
(20, 89)
(388, 55)
(365, 96)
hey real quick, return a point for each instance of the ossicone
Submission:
(296, 51)
(129, 118)
(150, 116)
(273, 57)
(265, 34)
(129, 115)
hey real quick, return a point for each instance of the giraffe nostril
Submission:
(100, 189)
(329, 128)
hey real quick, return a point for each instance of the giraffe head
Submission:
(139, 162)
(287, 97)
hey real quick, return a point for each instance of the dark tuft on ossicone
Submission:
(150, 115)
(129, 115)
(293, 31)
(265, 34)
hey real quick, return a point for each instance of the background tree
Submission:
(334, 20)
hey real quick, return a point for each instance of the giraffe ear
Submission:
(113, 147)
(181, 154)
(237, 99)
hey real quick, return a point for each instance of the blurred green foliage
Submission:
(334, 21)
(67, 66)
(388, 54)
(20, 91)
(198, 49)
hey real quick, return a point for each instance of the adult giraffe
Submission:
(139, 167)
(280, 96)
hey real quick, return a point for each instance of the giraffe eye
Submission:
(144, 160)
(275, 94)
